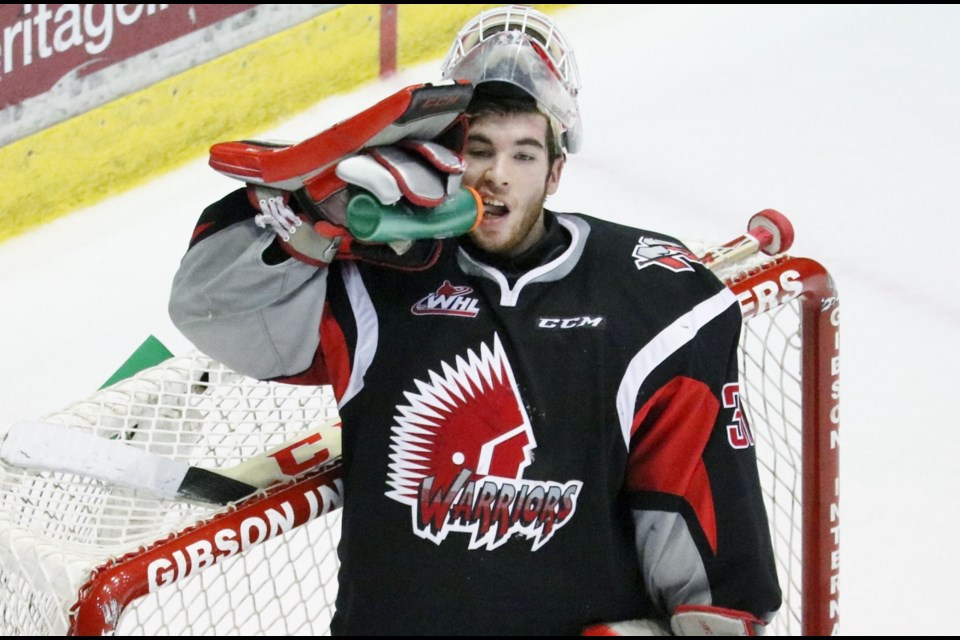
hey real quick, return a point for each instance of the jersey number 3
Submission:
(738, 431)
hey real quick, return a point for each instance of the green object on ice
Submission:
(149, 354)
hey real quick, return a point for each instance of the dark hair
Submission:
(500, 98)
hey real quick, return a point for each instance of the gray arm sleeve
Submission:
(260, 320)
(670, 563)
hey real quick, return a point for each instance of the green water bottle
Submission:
(372, 221)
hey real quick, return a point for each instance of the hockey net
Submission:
(80, 557)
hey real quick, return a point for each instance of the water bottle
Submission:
(370, 220)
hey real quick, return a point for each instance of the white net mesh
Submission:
(56, 527)
(286, 586)
(770, 390)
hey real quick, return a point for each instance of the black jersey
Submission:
(524, 453)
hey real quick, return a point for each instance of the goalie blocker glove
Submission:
(687, 620)
(384, 203)
(402, 194)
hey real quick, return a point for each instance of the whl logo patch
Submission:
(664, 254)
(448, 300)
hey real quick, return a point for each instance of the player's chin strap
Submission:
(687, 620)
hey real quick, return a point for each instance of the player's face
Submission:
(507, 163)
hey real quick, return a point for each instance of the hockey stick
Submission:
(48, 446)
(768, 231)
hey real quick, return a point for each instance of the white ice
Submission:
(845, 118)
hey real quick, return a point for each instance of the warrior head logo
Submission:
(669, 255)
(469, 418)
(460, 447)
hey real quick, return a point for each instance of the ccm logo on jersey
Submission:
(662, 253)
(571, 323)
(448, 300)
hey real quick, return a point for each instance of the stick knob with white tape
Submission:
(768, 231)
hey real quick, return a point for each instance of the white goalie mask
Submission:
(522, 47)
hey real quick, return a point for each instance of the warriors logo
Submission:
(460, 448)
(669, 255)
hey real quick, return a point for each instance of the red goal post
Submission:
(800, 287)
(81, 558)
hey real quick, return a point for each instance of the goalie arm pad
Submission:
(687, 620)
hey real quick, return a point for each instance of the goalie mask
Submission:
(521, 47)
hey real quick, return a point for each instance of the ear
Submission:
(553, 178)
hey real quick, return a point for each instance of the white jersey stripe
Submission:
(367, 330)
(667, 342)
(556, 269)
